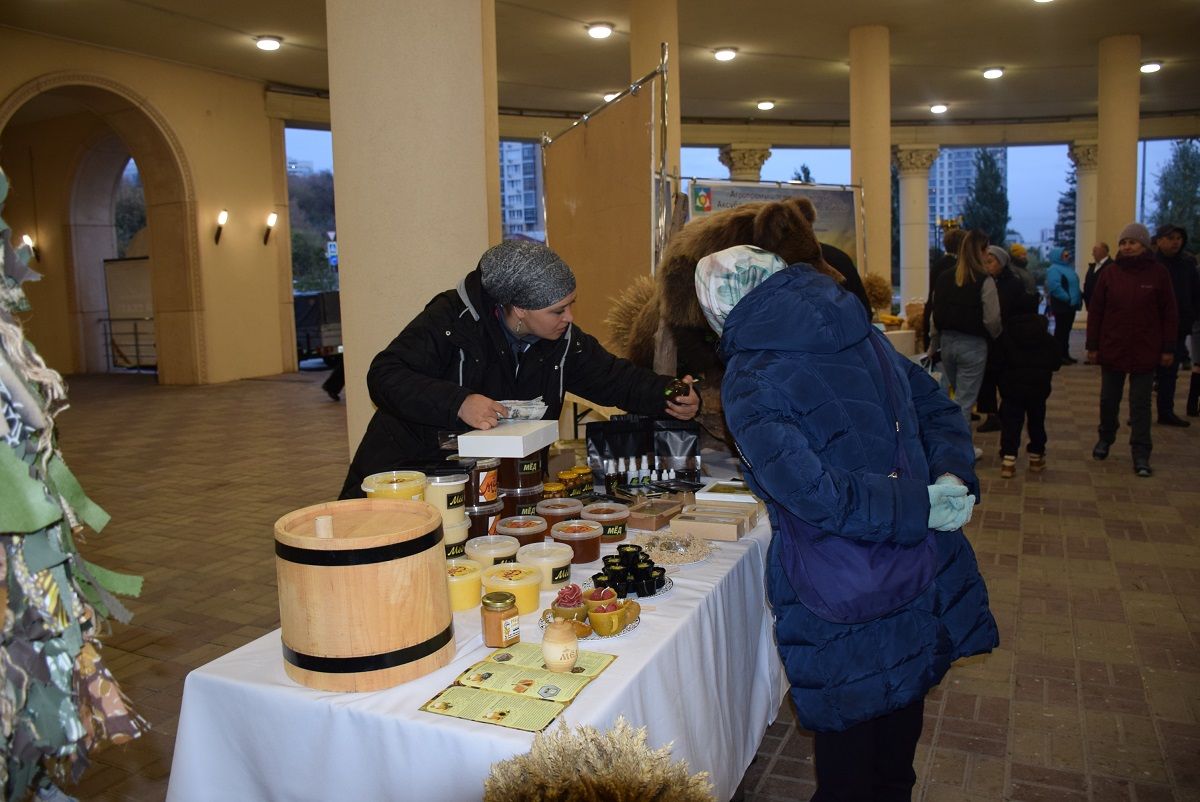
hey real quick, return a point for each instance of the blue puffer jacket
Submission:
(806, 402)
(1062, 282)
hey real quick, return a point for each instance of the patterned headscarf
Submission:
(725, 277)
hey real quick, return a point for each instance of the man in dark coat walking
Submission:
(1169, 240)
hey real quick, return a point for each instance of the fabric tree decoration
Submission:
(58, 701)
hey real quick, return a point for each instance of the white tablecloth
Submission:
(701, 670)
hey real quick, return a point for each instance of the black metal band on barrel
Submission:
(370, 662)
(378, 554)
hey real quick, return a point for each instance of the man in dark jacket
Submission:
(1131, 330)
(505, 333)
(1181, 266)
(1101, 260)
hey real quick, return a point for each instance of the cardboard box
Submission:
(652, 514)
(726, 490)
(747, 512)
(709, 527)
(518, 438)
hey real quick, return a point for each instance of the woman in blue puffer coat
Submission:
(853, 447)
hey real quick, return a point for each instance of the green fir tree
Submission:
(1177, 197)
(986, 207)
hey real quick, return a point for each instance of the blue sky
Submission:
(1036, 173)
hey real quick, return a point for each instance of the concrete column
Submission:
(407, 100)
(913, 163)
(870, 141)
(1084, 155)
(1120, 84)
(652, 22)
(744, 160)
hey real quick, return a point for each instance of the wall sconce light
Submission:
(222, 219)
(27, 241)
(272, 218)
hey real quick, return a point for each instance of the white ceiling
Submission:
(792, 52)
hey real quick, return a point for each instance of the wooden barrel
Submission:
(367, 607)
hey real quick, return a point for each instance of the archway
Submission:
(91, 126)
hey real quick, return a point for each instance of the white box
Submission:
(518, 438)
(732, 490)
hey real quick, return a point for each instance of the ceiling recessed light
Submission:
(268, 42)
(600, 30)
(725, 53)
(1151, 66)
(992, 73)
(939, 108)
(609, 97)
(766, 105)
(1043, 1)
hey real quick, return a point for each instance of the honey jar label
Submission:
(529, 508)
(530, 466)
(456, 550)
(456, 500)
(489, 485)
(560, 573)
(614, 530)
(512, 558)
(511, 629)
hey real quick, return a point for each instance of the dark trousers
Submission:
(1112, 386)
(1167, 378)
(985, 403)
(1014, 413)
(870, 762)
(1064, 319)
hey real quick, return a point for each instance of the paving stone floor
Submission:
(1094, 577)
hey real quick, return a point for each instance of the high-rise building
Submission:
(521, 189)
(950, 180)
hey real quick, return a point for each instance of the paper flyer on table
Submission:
(511, 688)
(508, 710)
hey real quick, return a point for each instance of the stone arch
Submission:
(170, 207)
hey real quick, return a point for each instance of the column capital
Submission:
(745, 159)
(914, 158)
(1085, 154)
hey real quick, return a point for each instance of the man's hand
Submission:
(688, 405)
(481, 412)
(1166, 360)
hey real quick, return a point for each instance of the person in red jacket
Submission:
(1131, 329)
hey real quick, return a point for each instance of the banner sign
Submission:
(837, 207)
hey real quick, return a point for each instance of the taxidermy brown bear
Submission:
(657, 323)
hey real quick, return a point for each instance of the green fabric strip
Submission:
(24, 505)
(65, 483)
(114, 582)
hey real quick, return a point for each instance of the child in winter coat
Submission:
(1026, 358)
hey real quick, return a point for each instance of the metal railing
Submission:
(129, 344)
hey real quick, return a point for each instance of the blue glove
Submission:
(948, 506)
(950, 480)
(960, 517)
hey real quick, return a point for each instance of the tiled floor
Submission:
(1094, 577)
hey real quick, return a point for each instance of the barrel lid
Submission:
(360, 523)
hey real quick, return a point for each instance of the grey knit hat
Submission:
(1136, 231)
(1000, 254)
(525, 274)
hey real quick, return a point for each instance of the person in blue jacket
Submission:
(867, 470)
(1062, 285)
